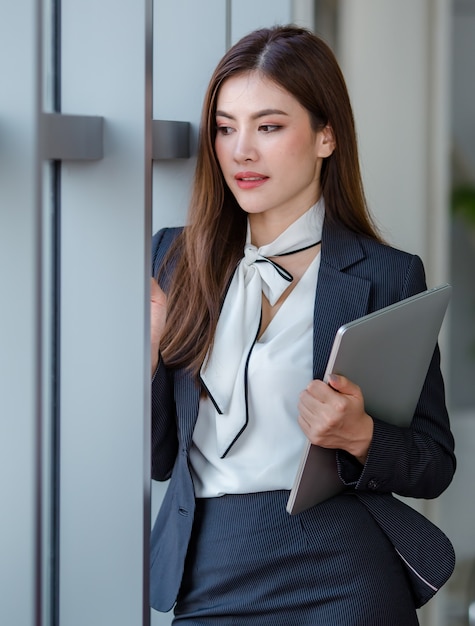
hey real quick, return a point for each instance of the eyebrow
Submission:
(256, 116)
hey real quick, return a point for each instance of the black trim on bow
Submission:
(286, 275)
(246, 394)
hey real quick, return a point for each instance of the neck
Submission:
(266, 227)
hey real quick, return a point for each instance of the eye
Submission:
(224, 130)
(269, 128)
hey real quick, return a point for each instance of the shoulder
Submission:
(386, 260)
(396, 273)
(393, 273)
(344, 247)
(161, 242)
(380, 252)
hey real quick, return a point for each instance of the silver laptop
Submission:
(387, 353)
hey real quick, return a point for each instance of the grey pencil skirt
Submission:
(250, 563)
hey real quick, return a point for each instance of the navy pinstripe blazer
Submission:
(357, 276)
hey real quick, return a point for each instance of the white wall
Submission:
(395, 58)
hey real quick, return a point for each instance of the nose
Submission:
(245, 148)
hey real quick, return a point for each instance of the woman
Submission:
(279, 252)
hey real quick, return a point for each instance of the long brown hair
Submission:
(211, 245)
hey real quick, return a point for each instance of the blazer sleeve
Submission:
(164, 429)
(416, 461)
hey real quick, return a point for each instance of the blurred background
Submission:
(99, 111)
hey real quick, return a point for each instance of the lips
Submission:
(250, 180)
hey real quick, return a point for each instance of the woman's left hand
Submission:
(333, 416)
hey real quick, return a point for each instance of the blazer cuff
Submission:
(349, 468)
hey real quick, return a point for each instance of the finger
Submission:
(343, 385)
(318, 391)
(316, 421)
(315, 403)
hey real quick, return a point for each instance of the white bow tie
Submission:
(275, 279)
(224, 371)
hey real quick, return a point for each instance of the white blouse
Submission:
(266, 455)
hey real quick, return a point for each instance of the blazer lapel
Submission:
(340, 296)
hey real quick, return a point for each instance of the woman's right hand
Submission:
(158, 316)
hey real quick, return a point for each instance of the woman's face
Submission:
(267, 150)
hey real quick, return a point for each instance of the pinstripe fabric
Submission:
(314, 569)
(357, 276)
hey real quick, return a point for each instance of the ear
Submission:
(325, 142)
